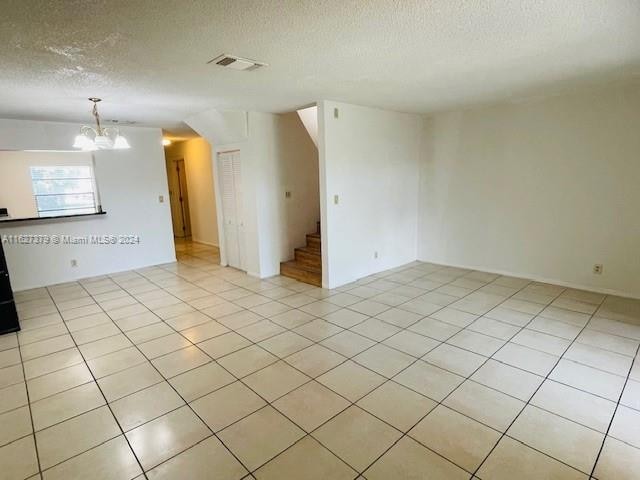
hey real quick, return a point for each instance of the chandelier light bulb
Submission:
(121, 143)
(90, 146)
(81, 141)
(103, 142)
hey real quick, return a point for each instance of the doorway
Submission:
(230, 170)
(179, 198)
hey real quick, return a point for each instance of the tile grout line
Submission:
(338, 325)
(546, 378)
(439, 403)
(459, 276)
(351, 403)
(181, 397)
(318, 342)
(314, 379)
(277, 398)
(311, 379)
(106, 404)
(267, 402)
(387, 379)
(329, 321)
(615, 411)
(33, 427)
(346, 307)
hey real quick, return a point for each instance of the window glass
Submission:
(63, 190)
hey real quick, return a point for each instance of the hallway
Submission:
(196, 254)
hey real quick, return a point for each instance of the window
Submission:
(63, 190)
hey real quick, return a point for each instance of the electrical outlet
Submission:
(287, 194)
(74, 263)
(336, 113)
(597, 269)
(375, 254)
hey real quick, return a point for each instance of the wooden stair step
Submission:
(302, 273)
(314, 241)
(309, 256)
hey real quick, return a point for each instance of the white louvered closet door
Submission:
(237, 186)
(230, 171)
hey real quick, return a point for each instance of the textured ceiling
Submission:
(147, 58)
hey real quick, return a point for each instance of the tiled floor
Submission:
(190, 370)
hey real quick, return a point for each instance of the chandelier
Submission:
(99, 138)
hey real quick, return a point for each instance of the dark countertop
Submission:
(13, 221)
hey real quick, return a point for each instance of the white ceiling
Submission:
(148, 58)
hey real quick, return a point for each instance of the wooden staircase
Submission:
(307, 264)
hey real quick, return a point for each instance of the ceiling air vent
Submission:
(237, 63)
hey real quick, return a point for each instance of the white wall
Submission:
(130, 182)
(309, 118)
(16, 185)
(289, 163)
(542, 190)
(370, 159)
(277, 155)
(200, 187)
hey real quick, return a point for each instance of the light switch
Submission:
(336, 113)
(287, 194)
(336, 199)
(161, 198)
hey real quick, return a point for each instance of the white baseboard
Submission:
(75, 278)
(539, 278)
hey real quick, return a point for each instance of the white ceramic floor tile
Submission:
(484, 404)
(456, 437)
(356, 437)
(275, 380)
(164, 437)
(408, 459)
(311, 405)
(229, 404)
(208, 460)
(581, 407)
(145, 405)
(413, 336)
(559, 438)
(512, 459)
(397, 405)
(507, 379)
(589, 379)
(618, 461)
(351, 380)
(200, 381)
(429, 380)
(626, 426)
(261, 436)
(74, 436)
(112, 459)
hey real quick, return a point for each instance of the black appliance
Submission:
(8, 313)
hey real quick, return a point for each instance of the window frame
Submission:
(60, 212)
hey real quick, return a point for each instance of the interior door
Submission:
(231, 187)
(237, 188)
(174, 199)
(184, 197)
(179, 199)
